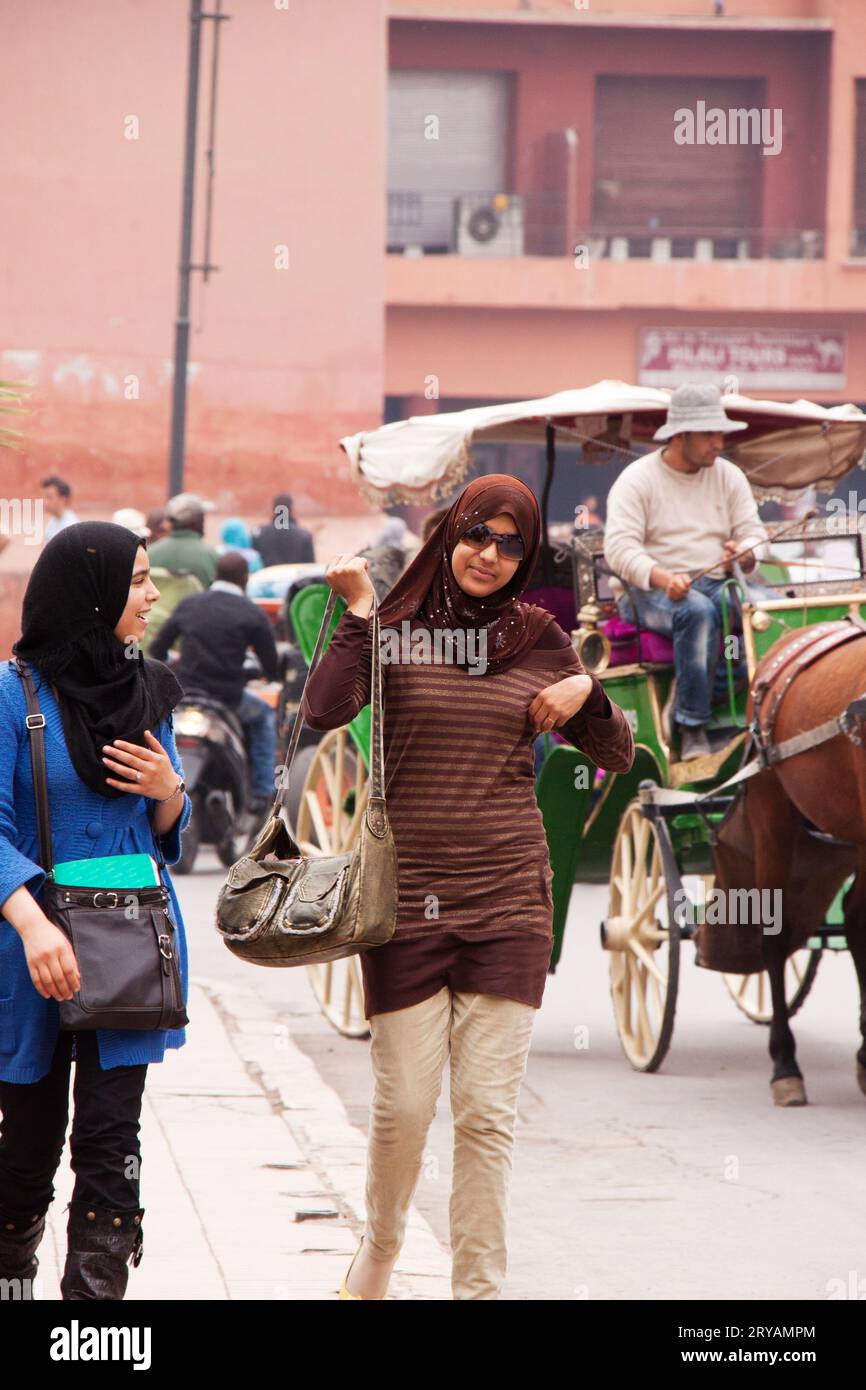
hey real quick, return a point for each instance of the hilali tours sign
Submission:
(768, 359)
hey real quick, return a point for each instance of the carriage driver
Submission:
(670, 514)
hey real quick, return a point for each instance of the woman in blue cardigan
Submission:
(114, 787)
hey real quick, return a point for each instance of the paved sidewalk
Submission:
(252, 1174)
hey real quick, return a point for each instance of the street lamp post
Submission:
(181, 327)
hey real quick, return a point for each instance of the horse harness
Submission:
(775, 676)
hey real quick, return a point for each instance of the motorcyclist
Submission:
(215, 628)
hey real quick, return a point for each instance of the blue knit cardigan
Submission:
(84, 825)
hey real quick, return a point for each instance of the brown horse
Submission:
(826, 785)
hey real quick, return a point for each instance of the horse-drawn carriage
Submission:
(662, 832)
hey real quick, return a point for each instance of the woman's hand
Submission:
(557, 703)
(348, 576)
(50, 959)
(146, 771)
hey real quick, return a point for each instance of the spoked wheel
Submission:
(332, 803)
(643, 939)
(751, 993)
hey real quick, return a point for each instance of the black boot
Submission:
(19, 1239)
(101, 1245)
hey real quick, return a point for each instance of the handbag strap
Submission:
(36, 729)
(377, 769)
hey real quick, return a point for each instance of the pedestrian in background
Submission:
(185, 551)
(56, 493)
(430, 522)
(133, 520)
(282, 541)
(158, 525)
(394, 532)
(235, 535)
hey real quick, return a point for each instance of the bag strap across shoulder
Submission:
(377, 768)
(36, 729)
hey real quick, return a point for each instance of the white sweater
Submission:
(658, 516)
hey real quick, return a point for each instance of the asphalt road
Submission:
(688, 1183)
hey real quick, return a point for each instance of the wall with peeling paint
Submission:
(283, 361)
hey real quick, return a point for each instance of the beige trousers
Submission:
(488, 1039)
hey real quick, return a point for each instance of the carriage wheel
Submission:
(644, 942)
(331, 806)
(751, 993)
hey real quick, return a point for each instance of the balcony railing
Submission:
(544, 224)
(705, 244)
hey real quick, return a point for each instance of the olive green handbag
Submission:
(279, 907)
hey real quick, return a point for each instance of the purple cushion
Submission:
(624, 649)
(623, 644)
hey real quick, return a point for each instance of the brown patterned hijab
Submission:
(428, 591)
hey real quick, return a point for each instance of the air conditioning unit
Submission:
(490, 226)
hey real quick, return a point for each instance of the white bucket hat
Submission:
(133, 520)
(694, 407)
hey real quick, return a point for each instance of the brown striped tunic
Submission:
(475, 905)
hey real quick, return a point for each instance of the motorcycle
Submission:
(210, 744)
(212, 749)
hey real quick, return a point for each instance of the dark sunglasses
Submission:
(479, 536)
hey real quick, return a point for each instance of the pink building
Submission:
(418, 205)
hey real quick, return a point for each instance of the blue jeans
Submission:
(694, 624)
(260, 730)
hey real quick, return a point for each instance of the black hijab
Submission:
(75, 596)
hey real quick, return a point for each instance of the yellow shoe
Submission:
(344, 1292)
(344, 1287)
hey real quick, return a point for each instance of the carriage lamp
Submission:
(591, 645)
(761, 620)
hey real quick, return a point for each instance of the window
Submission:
(447, 141)
(649, 187)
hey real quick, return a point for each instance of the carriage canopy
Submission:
(787, 447)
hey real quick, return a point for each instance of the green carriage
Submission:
(650, 833)
(647, 832)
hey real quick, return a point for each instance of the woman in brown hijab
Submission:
(479, 674)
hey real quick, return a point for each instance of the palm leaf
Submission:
(11, 397)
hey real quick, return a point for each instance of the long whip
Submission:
(747, 550)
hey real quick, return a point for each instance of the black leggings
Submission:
(104, 1145)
